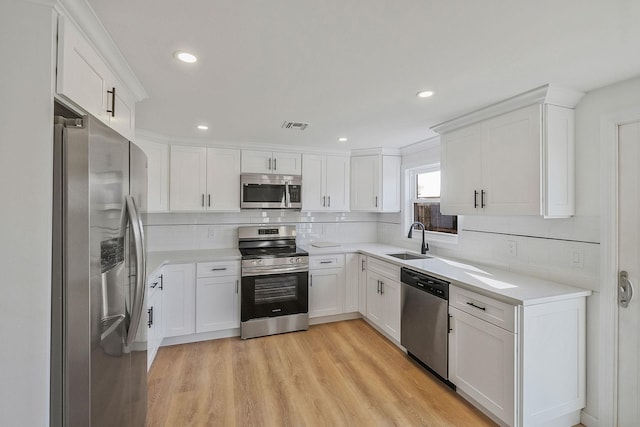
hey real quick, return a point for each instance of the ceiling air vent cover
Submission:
(295, 125)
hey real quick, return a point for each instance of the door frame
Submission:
(608, 354)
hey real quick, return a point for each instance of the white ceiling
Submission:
(352, 68)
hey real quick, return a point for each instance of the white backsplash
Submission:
(188, 231)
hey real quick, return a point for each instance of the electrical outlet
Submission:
(512, 247)
(212, 232)
(577, 258)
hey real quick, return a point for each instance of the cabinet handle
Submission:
(324, 201)
(209, 200)
(311, 280)
(328, 201)
(275, 164)
(362, 265)
(326, 262)
(203, 200)
(475, 199)
(449, 323)
(153, 285)
(161, 281)
(269, 167)
(219, 269)
(237, 282)
(482, 205)
(381, 288)
(476, 306)
(376, 201)
(150, 312)
(113, 102)
(378, 291)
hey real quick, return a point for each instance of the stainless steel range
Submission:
(275, 281)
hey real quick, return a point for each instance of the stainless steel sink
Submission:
(407, 256)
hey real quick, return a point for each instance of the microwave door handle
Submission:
(287, 196)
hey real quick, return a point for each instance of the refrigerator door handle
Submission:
(138, 240)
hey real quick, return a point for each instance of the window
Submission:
(424, 199)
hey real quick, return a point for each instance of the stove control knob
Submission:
(259, 262)
(298, 260)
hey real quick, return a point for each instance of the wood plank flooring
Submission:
(335, 374)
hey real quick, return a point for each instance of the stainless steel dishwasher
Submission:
(424, 328)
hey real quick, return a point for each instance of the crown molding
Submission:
(376, 151)
(547, 94)
(425, 144)
(84, 17)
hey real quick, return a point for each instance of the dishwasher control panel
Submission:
(426, 283)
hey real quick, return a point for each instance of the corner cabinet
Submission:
(515, 162)
(85, 80)
(525, 365)
(204, 179)
(178, 300)
(325, 183)
(271, 162)
(375, 183)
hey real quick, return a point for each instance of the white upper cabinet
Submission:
(158, 174)
(88, 82)
(375, 183)
(325, 183)
(515, 162)
(271, 162)
(204, 179)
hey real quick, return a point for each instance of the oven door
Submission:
(274, 295)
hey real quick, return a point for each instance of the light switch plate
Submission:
(512, 247)
(577, 258)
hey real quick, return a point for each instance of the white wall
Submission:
(187, 231)
(545, 248)
(26, 161)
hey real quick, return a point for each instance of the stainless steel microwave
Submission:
(262, 191)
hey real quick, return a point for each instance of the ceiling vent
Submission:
(295, 125)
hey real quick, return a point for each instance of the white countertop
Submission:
(513, 288)
(156, 260)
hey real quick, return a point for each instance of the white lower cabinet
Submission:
(179, 300)
(362, 284)
(383, 296)
(217, 296)
(326, 285)
(525, 365)
(352, 285)
(481, 363)
(153, 322)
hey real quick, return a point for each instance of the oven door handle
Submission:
(265, 271)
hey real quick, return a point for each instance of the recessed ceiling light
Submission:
(342, 139)
(424, 94)
(203, 127)
(186, 57)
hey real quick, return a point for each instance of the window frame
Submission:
(410, 197)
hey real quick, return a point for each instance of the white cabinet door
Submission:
(154, 323)
(482, 363)
(362, 284)
(352, 285)
(375, 301)
(365, 180)
(337, 183)
(179, 300)
(188, 184)
(461, 171)
(158, 174)
(287, 163)
(326, 292)
(257, 161)
(390, 182)
(313, 183)
(511, 162)
(391, 295)
(217, 303)
(223, 179)
(82, 76)
(121, 109)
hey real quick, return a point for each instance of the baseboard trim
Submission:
(589, 420)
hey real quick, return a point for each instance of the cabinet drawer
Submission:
(496, 312)
(386, 269)
(327, 261)
(218, 268)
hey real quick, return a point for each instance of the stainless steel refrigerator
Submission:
(99, 349)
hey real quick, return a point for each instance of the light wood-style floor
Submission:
(335, 374)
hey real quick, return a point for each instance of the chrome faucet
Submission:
(425, 246)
